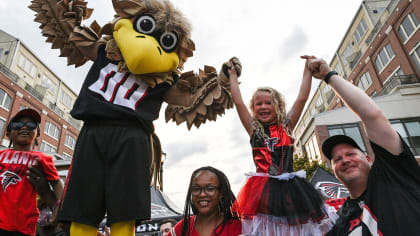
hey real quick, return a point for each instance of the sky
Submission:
(268, 37)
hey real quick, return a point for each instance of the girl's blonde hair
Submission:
(278, 102)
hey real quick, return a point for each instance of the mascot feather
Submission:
(138, 58)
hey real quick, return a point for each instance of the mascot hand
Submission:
(224, 74)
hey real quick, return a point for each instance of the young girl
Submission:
(275, 200)
(210, 198)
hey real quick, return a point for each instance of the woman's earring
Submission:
(36, 142)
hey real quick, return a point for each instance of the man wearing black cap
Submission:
(384, 188)
(23, 174)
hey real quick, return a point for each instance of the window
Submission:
(351, 130)
(2, 124)
(348, 51)
(66, 155)
(23, 107)
(408, 26)
(319, 101)
(327, 88)
(339, 70)
(379, 10)
(360, 31)
(70, 141)
(409, 129)
(52, 130)
(27, 66)
(312, 148)
(66, 99)
(22, 60)
(306, 118)
(416, 57)
(365, 81)
(384, 57)
(47, 83)
(312, 111)
(5, 99)
(396, 73)
(48, 148)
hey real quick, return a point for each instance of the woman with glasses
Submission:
(210, 199)
(23, 174)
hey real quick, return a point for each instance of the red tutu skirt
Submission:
(282, 205)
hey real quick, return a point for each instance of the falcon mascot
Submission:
(138, 58)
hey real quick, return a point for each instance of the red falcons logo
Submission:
(9, 178)
(332, 190)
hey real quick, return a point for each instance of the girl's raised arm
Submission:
(241, 108)
(305, 88)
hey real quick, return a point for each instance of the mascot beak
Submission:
(142, 53)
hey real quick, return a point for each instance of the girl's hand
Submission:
(306, 69)
(233, 75)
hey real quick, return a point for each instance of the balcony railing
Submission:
(8, 73)
(396, 81)
(34, 93)
(57, 110)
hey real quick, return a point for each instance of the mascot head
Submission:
(152, 36)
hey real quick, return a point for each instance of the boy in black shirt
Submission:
(384, 188)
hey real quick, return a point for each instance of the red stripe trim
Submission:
(117, 86)
(373, 217)
(134, 87)
(106, 80)
(370, 212)
(138, 101)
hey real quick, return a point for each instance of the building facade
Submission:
(26, 82)
(380, 53)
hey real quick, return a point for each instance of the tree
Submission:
(303, 163)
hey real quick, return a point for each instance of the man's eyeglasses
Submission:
(209, 190)
(17, 125)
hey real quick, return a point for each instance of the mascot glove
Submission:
(224, 74)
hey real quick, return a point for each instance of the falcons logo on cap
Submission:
(332, 190)
(9, 178)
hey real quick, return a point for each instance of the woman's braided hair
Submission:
(225, 204)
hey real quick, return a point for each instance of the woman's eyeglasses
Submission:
(17, 125)
(209, 190)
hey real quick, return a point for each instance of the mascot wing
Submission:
(197, 98)
(61, 25)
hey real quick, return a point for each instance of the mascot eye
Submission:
(168, 41)
(145, 24)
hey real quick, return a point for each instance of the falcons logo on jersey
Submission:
(332, 190)
(8, 178)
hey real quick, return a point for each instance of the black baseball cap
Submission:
(332, 141)
(27, 113)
